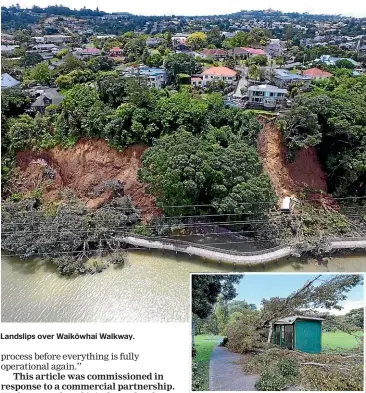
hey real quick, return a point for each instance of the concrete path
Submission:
(226, 372)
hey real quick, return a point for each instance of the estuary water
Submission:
(150, 287)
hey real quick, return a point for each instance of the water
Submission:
(151, 287)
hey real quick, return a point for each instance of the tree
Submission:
(344, 63)
(260, 60)
(134, 48)
(100, 63)
(83, 114)
(31, 59)
(71, 63)
(254, 72)
(207, 288)
(328, 293)
(155, 60)
(215, 37)
(63, 52)
(184, 169)
(181, 63)
(197, 40)
(68, 226)
(356, 317)
(112, 89)
(222, 314)
(230, 62)
(41, 74)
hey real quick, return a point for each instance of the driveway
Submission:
(226, 372)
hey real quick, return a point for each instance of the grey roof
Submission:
(45, 46)
(8, 48)
(50, 93)
(268, 88)
(8, 81)
(291, 320)
(286, 75)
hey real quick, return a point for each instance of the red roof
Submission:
(254, 51)
(213, 52)
(317, 73)
(116, 49)
(222, 71)
(196, 78)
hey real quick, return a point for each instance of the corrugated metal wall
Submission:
(308, 336)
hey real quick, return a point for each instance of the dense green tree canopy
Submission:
(207, 288)
(184, 169)
(333, 119)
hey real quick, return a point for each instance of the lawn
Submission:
(339, 339)
(204, 345)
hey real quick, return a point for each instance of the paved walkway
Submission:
(240, 258)
(226, 374)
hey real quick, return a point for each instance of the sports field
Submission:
(339, 339)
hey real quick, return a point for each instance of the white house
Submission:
(266, 96)
(218, 73)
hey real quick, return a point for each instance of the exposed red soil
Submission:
(272, 151)
(291, 179)
(306, 171)
(83, 167)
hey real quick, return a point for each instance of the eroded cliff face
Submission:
(289, 179)
(81, 168)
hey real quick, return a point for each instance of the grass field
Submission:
(204, 345)
(338, 339)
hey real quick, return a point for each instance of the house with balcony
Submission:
(266, 96)
(155, 77)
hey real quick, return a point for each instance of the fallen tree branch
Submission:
(314, 364)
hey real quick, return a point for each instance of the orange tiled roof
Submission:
(317, 73)
(222, 71)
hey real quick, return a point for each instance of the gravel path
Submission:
(227, 375)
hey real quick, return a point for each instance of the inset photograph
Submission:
(275, 332)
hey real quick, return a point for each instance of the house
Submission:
(8, 81)
(155, 77)
(90, 52)
(179, 38)
(182, 48)
(197, 81)
(46, 97)
(217, 54)
(45, 48)
(153, 42)
(38, 40)
(219, 73)
(8, 49)
(239, 52)
(298, 332)
(331, 60)
(317, 73)
(115, 52)
(266, 96)
(253, 52)
(283, 78)
(57, 38)
(274, 48)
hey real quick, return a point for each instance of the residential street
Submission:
(226, 372)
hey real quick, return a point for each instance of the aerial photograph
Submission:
(144, 142)
(275, 332)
